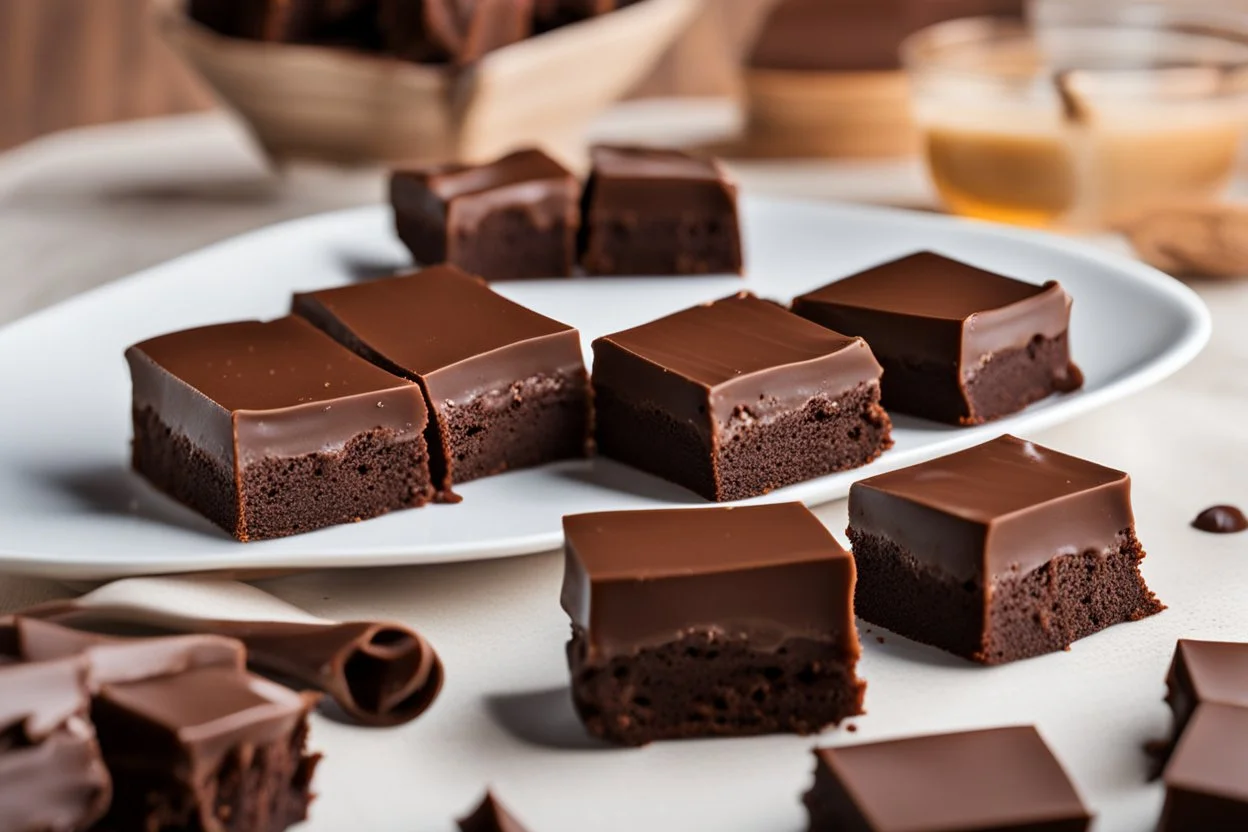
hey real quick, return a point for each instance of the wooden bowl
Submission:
(335, 105)
(828, 114)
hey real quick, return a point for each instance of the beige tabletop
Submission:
(83, 208)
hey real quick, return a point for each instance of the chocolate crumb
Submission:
(851, 728)
(880, 639)
(1221, 520)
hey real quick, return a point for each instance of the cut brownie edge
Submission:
(1043, 611)
(707, 684)
(538, 420)
(823, 437)
(370, 476)
(1013, 379)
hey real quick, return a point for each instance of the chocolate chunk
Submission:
(1207, 778)
(271, 429)
(659, 212)
(737, 398)
(958, 344)
(455, 31)
(855, 35)
(377, 673)
(1204, 672)
(52, 774)
(507, 387)
(997, 779)
(490, 816)
(511, 219)
(1221, 520)
(211, 748)
(998, 553)
(699, 622)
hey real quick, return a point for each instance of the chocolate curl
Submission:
(379, 674)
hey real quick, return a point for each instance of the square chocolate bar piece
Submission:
(271, 429)
(506, 387)
(1207, 778)
(997, 779)
(511, 219)
(208, 748)
(1001, 552)
(702, 622)
(958, 344)
(1205, 672)
(737, 398)
(659, 212)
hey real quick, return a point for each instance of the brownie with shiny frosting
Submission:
(653, 211)
(999, 778)
(958, 343)
(736, 398)
(999, 552)
(238, 420)
(514, 218)
(506, 387)
(696, 622)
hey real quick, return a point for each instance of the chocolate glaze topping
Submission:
(750, 356)
(377, 673)
(1221, 520)
(636, 579)
(1007, 505)
(924, 305)
(279, 388)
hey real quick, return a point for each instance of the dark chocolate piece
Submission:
(271, 429)
(512, 219)
(855, 35)
(507, 387)
(958, 344)
(52, 774)
(997, 779)
(737, 398)
(210, 748)
(1205, 672)
(455, 31)
(1207, 778)
(490, 816)
(378, 673)
(701, 622)
(998, 553)
(1221, 520)
(658, 212)
(349, 22)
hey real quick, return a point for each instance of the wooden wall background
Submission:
(69, 63)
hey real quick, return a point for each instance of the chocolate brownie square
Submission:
(958, 344)
(506, 387)
(1207, 778)
(271, 429)
(208, 748)
(737, 398)
(659, 212)
(1001, 552)
(703, 622)
(998, 779)
(1205, 672)
(511, 219)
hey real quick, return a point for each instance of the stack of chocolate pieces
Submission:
(160, 733)
(1206, 774)
(428, 31)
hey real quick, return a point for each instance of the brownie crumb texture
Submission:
(751, 456)
(707, 684)
(1043, 611)
(374, 473)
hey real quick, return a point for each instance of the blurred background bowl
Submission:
(336, 105)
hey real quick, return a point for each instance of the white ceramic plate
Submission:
(69, 507)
